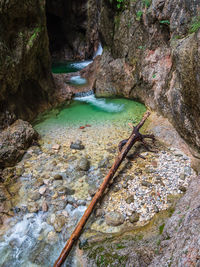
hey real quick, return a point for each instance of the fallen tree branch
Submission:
(124, 147)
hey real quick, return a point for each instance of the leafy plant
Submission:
(139, 15)
(195, 25)
(165, 22)
(119, 3)
(34, 36)
(154, 76)
(147, 3)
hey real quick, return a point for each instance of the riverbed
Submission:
(58, 176)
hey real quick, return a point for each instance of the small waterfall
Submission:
(83, 94)
(100, 103)
(78, 80)
(81, 65)
(99, 51)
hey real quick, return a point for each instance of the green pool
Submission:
(91, 110)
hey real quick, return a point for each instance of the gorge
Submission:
(57, 141)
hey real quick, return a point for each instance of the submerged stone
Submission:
(83, 164)
(52, 237)
(58, 177)
(77, 145)
(59, 223)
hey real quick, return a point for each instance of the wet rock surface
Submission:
(26, 84)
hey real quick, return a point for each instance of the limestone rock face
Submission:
(181, 235)
(14, 140)
(152, 54)
(26, 84)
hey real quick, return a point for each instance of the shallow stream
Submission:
(57, 179)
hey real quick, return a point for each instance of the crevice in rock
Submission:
(72, 29)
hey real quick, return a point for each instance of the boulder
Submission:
(14, 140)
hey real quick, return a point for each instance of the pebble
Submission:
(182, 188)
(130, 200)
(58, 177)
(59, 222)
(77, 145)
(114, 218)
(52, 237)
(44, 206)
(33, 207)
(34, 195)
(42, 190)
(145, 183)
(134, 217)
(56, 147)
(83, 164)
(65, 213)
(99, 212)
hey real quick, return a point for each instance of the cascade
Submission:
(99, 51)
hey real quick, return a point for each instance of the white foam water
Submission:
(20, 240)
(99, 51)
(81, 65)
(100, 103)
(78, 80)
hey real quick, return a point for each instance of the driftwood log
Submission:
(124, 147)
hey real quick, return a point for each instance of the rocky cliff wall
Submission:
(72, 28)
(151, 53)
(26, 84)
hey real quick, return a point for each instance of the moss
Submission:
(195, 26)
(161, 228)
(139, 15)
(34, 36)
(146, 3)
(120, 246)
(117, 21)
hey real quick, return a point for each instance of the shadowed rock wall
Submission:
(72, 28)
(26, 83)
(151, 53)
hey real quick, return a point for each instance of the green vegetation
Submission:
(161, 228)
(139, 15)
(154, 76)
(119, 3)
(34, 36)
(146, 3)
(195, 25)
(176, 37)
(141, 47)
(166, 22)
(120, 246)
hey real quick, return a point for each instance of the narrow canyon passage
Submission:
(73, 76)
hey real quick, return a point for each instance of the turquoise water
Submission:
(91, 110)
(68, 66)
